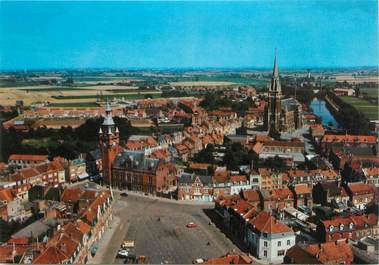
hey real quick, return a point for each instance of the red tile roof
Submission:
(238, 178)
(281, 194)
(52, 255)
(251, 195)
(199, 165)
(361, 188)
(230, 259)
(83, 227)
(349, 138)
(266, 223)
(332, 252)
(3, 166)
(6, 195)
(28, 157)
(358, 220)
(71, 194)
(303, 189)
(371, 171)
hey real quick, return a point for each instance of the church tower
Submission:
(274, 97)
(109, 144)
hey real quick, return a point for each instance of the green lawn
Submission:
(371, 91)
(39, 143)
(57, 88)
(370, 110)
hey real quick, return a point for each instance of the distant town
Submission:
(238, 166)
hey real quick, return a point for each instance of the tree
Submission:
(237, 155)
(275, 163)
(205, 155)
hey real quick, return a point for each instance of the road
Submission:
(160, 233)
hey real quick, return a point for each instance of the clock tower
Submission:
(109, 144)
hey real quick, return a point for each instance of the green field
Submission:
(126, 96)
(370, 91)
(370, 110)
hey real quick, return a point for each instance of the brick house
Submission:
(338, 252)
(272, 179)
(50, 173)
(192, 187)
(346, 140)
(360, 194)
(26, 160)
(371, 176)
(303, 195)
(352, 227)
(277, 199)
(330, 193)
(133, 170)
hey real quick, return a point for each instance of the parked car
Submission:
(191, 225)
(127, 244)
(122, 253)
(124, 194)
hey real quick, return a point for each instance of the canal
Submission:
(319, 108)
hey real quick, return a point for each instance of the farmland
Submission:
(370, 110)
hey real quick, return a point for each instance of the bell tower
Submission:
(109, 144)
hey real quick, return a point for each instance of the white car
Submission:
(123, 253)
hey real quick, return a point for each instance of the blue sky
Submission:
(328, 33)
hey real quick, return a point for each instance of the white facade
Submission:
(270, 247)
(236, 187)
(255, 181)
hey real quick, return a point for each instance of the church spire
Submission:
(275, 83)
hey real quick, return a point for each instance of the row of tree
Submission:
(353, 120)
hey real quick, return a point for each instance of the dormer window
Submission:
(341, 227)
(351, 226)
(331, 228)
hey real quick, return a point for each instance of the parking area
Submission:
(159, 232)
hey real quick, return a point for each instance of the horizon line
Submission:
(224, 68)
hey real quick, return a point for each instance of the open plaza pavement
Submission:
(158, 228)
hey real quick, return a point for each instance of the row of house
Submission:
(68, 230)
(265, 236)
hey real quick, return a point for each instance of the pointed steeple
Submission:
(275, 72)
(275, 82)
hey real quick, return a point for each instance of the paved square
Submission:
(160, 233)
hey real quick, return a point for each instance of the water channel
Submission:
(319, 108)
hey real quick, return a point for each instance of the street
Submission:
(160, 233)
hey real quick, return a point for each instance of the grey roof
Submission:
(95, 154)
(36, 228)
(108, 120)
(136, 160)
(358, 150)
(289, 103)
(187, 178)
(275, 82)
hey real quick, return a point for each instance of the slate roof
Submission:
(137, 160)
(186, 178)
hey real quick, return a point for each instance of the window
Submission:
(288, 242)
(279, 243)
(265, 243)
(281, 253)
(265, 253)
